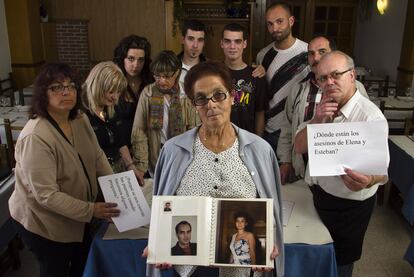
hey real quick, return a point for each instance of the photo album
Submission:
(196, 230)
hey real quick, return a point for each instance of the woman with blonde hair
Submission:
(101, 92)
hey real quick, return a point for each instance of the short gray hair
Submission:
(349, 61)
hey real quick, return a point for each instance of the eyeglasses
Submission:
(218, 96)
(166, 76)
(61, 88)
(334, 75)
(132, 59)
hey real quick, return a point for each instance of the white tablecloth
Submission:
(304, 225)
(396, 102)
(18, 116)
(405, 143)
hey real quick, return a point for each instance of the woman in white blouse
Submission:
(218, 159)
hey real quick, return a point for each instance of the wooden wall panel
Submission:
(111, 20)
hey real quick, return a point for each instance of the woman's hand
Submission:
(273, 256)
(163, 266)
(139, 174)
(105, 210)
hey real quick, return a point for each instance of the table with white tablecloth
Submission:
(396, 102)
(401, 174)
(18, 117)
(309, 249)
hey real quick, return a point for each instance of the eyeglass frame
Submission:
(158, 77)
(207, 99)
(333, 75)
(56, 89)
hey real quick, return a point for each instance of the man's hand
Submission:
(105, 210)
(286, 169)
(162, 266)
(259, 71)
(273, 256)
(356, 181)
(325, 110)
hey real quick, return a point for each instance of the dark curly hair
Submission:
(49, 74)
(248, 219)
(135, 42)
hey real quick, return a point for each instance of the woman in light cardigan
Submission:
(58, 160)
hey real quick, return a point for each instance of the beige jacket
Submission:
(52, 196)
(146, 142)
(294, 113)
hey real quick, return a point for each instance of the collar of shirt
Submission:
(346, 110)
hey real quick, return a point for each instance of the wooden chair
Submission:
(381, 85)
(9, 140)
(409, 126)
(384, 108)
(7, 88)
(24, 93)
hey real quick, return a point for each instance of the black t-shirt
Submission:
(109, 136)
(249, 98)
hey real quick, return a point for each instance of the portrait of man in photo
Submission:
(184, 246)
(167, 207)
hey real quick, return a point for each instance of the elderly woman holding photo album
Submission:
(220, 160)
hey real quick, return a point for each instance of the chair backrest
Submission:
(24, 93)
(9, 140)
(385, 108)
(7, 88)
(409, 126)
(381, 85)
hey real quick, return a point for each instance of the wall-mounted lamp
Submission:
(382, 6)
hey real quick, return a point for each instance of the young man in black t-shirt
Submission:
(249, 92)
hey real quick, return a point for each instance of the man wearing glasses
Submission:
(249, 92)
(300, 107)
(344, 203)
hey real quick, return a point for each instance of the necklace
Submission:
(222, 144)
(101, 115)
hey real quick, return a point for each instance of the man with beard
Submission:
(193, 35)
(285, 63)
(300, 107)
(249, 92)
(344, 203)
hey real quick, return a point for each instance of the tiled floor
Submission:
(385, 244)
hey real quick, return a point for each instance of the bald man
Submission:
(344, 203)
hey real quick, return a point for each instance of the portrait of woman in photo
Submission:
(243, 243)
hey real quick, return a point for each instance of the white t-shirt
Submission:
(184, 69)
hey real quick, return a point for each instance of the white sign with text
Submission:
(360, 146)
(123, 189)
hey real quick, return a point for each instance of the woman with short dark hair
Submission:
(161, 113)
(220, 160)
(58, 160)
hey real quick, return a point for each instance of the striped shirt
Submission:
(284, 69)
